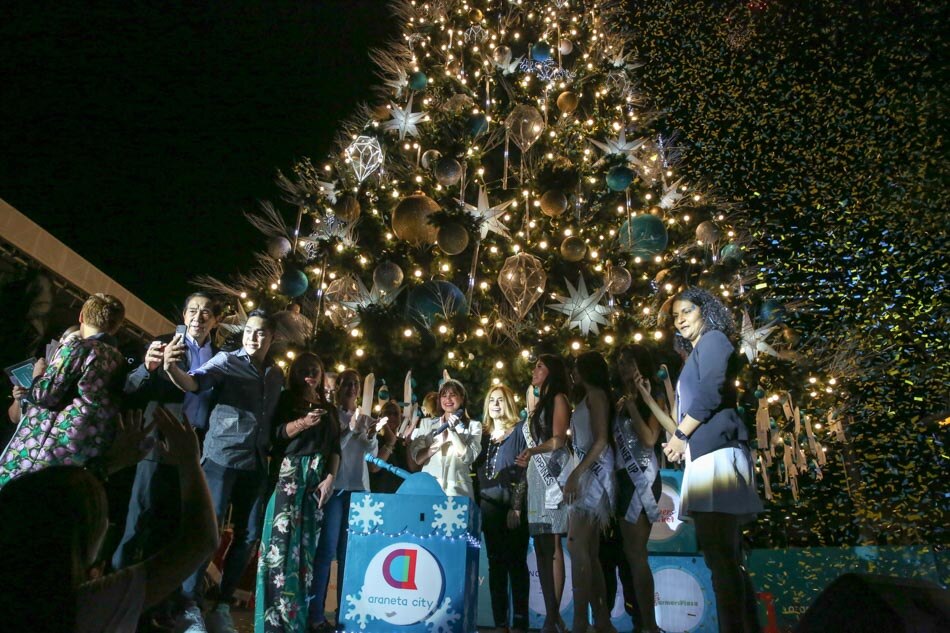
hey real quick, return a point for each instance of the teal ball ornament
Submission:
(434, 299)
(477, 123)
(383, 394)
(662, 374)
(731, 253)
(740, 410)
(771, 311)
(643, 236)
(619, 177)
(759, 394)
(523, 415)
(293, 282)
(541, 51)
(418, 81)
(536, 391)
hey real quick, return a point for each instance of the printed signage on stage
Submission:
(403, 584)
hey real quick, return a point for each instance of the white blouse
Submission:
(451, 468)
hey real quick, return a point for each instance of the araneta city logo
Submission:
(403, 584)
(399, 568)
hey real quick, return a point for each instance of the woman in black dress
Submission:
(501, 500)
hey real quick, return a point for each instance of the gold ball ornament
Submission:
(410, 220)
(566, 47)
(476, 15)
(452, 238)
(347, 208)
(567, 102)
(573, 249)
(619, 280)
(553, 203)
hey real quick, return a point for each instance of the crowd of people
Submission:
(224, 435)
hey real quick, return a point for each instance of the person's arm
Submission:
(141, 377)
(467, 447)
(197, 535)
(560, 425)
(599, 410)
(713, 361)
(175, 352)
(662, 417)
(648, 431)
(385, 451)
(423, 446)
(16, 407)
(295, 427)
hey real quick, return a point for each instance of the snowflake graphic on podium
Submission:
(367, 514)
(449, 517)
(442, 620)
(359, 609)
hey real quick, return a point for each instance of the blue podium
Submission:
(411, 560)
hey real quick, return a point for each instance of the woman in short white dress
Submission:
(590, 489)
(719, 490)
(546, 455)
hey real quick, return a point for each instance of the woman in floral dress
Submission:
(306, 456)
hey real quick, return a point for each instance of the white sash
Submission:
(641, 478)
(553, 495)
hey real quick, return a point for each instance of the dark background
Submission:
(137, 133)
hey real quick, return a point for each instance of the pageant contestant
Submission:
(636, 431)
(545, 456)
(590, 489)
(394, 449)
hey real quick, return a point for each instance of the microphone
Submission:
(452, 421)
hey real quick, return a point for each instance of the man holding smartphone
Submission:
(154, 510)
(247, 385)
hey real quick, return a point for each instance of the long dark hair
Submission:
(716, 315)
(593, 370)
(557, 382)
(643, 359)
(330, 427)
(53, 520)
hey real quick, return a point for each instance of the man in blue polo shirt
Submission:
(154, 508)
(246, 385)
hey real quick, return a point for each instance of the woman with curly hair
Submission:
(719, 490)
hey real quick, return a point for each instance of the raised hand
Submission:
(174, 352)
(131, 441)
(180, 445)
(154, 355)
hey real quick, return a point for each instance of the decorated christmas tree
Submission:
(512, 192)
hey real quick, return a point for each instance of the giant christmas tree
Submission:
(511, 193)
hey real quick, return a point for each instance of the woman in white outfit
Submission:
(446, 446)
(590, 489)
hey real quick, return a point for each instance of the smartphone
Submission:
(181, 329)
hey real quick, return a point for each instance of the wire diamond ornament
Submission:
(522, 280)
(364, 156)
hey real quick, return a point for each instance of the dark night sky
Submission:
(137, 133)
